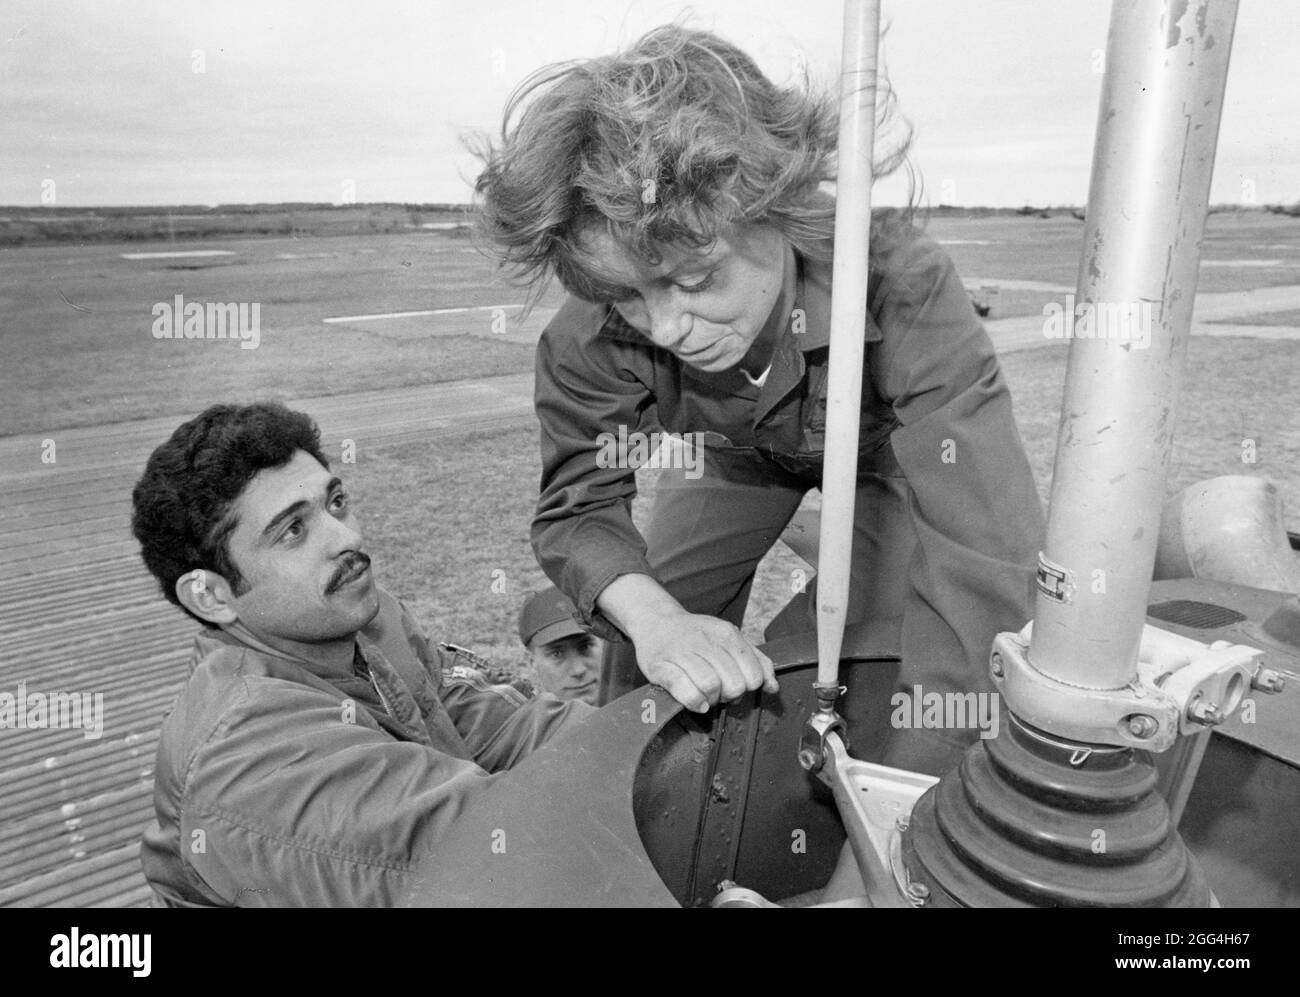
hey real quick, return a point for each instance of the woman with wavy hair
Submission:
(676, 194)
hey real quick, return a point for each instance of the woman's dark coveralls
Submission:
(948, 521)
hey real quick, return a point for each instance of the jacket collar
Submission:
(210, 640)
(814, 296)
(390, 704)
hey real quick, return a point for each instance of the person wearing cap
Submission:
(565, 655)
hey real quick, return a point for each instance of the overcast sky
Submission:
(175, 101)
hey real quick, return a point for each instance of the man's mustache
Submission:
(351, 564)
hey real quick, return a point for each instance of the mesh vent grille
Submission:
(1197, 615)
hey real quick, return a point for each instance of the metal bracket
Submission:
(731, 895)
(1182, 686)
(875, 802)
(812, 743)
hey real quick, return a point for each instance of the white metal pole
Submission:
(1167, 67)
(848, 320)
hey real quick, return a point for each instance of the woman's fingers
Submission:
(768, 671)
(701, 661)
(675, 680)
(755, 666)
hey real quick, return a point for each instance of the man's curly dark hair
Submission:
(184, 498)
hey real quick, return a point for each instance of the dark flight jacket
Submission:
(284, 783)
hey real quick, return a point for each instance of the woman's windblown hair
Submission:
(670, 142)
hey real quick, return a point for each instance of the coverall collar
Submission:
(807, 328)
(317, 666)
(390, 703)
(814, 296)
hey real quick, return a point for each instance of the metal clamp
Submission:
(812, 742)
(1182, 686)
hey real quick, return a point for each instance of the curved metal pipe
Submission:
(1231, 529)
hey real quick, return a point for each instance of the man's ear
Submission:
(207, 595)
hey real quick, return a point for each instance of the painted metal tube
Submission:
(1158, 125)
(848, 320)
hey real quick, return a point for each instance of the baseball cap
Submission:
(546, 616)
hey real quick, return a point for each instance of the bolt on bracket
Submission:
(1182, 686)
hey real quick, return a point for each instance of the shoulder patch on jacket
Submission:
(461, 672)
(470, 658)
(460, 675)
(468, 667)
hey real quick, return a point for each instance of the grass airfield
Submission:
(335, 319)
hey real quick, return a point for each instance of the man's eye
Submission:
(294, 530)
(339, 501)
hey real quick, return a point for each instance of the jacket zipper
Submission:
(383, 702)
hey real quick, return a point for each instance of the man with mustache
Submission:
(322, 745)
